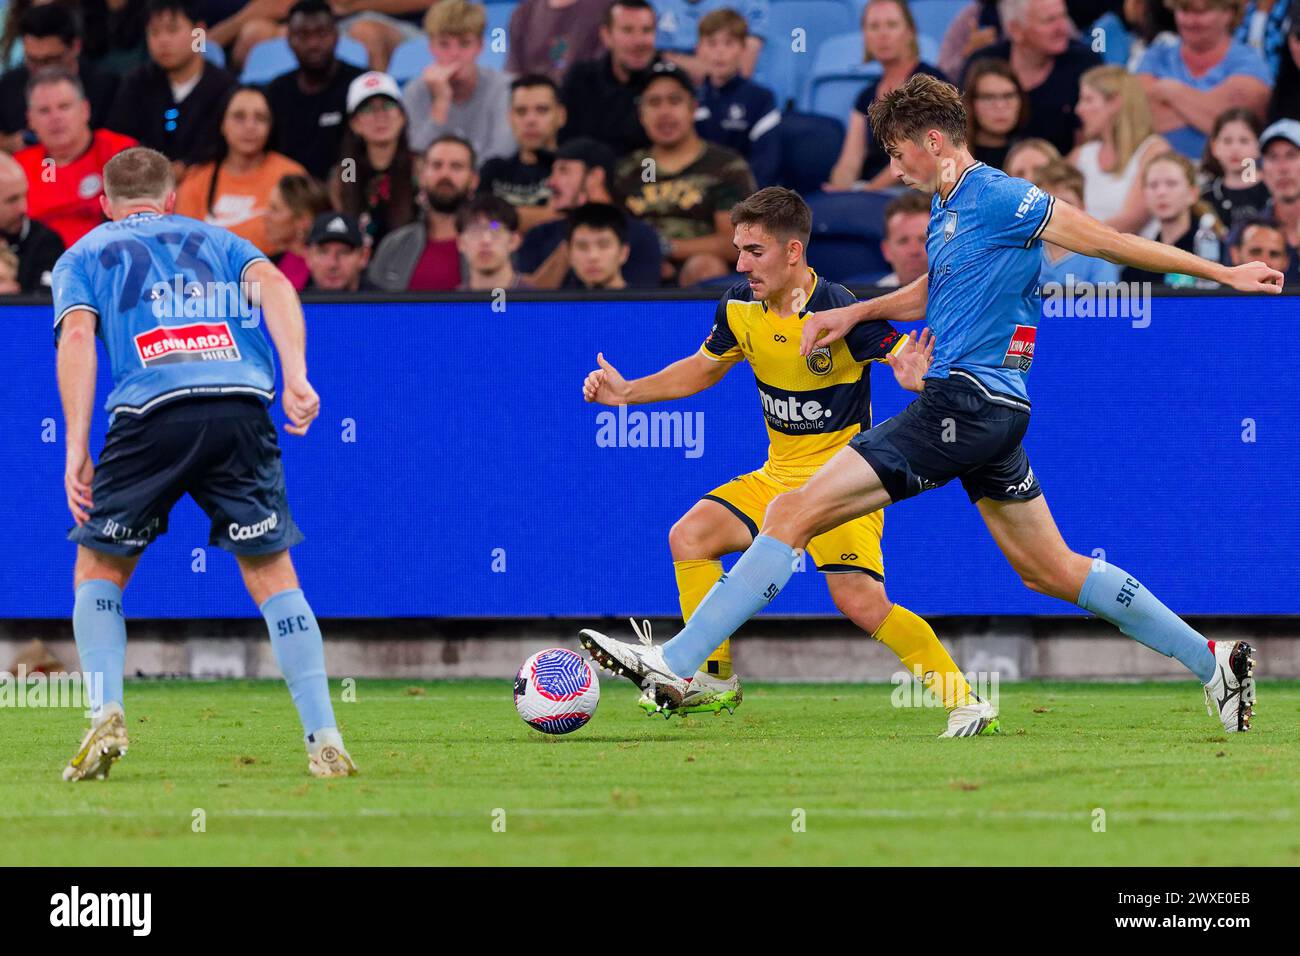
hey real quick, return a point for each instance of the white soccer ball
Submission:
(556, 691)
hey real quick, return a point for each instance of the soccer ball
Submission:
(556, 691)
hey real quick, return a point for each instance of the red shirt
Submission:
(66, 198)
(438, 269)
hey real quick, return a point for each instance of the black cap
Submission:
(591, 152)
(335, 227)
(663, 69)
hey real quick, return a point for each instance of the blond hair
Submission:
(455, 18)
(1058, 173)
(1132, 123)
(1200, 207)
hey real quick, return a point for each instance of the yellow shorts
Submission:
(853, 546)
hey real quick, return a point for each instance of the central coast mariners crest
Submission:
(949, 225)
(819, 361)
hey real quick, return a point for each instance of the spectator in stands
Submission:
(1028, 156)
(51, 37)
(976, 26)
(907, 220)
(36, 245)
(1066, 183)
(1172, 195)
(1285, 100)
(1148, 22)
(454, 94)
(549, 36)
(1232, 161)
(600, 96)
(1191, 81)
(65, 195)
(173, 102)
(1048, 63)
(597, 247)
(692, 184)
(1118, 140)
(488, 235)
(996, 110)
(113, 34)
(233, 187)
(310, 103)
(735, 112)
(337, 255)
(9, 284)
(423, 256)
(679, 32)
(581, 175)
(536, 116)
(295, 203)
(1256, 239)
(1263, 27)
(375, 179)
(1280, 170)
(889, 39)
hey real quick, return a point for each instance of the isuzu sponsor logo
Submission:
(246, 532)
(200, 342)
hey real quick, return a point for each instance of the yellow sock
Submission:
(916, 645)
(694, 580)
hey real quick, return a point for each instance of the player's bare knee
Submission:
(688, 540)
(266, 575)
(91, 565)
(862, 599)
(788, 519)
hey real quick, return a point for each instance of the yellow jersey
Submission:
(812, 405)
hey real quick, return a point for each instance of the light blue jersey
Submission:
(167, 291)
(985, 253)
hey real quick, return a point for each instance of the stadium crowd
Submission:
(592, 144)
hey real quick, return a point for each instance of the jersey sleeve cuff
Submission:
(1047, 217)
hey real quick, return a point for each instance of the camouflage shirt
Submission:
(682, 205)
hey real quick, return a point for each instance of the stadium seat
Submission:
(495, 44)
(846, 234)
(409, 59)
(781, 67)
(214, 54)
(838, 66)
(271, 58)
(809, 147)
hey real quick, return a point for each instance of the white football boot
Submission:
(643, 664)
(327, 758)
(978, 719)
(1231, 691)
(103, 744)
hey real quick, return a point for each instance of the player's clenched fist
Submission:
(301, 405)
(605, 385)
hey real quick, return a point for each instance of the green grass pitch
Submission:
(875, 787)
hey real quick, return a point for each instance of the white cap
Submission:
(371, 84)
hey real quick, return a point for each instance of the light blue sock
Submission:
(755, 579)
(296, 641)
(99, 626)
(1114, 595)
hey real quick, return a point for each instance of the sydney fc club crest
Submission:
(949, 225)
(819, 361)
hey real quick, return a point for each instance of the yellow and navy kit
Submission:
(812, 405)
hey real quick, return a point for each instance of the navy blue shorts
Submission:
(221, 451)
(955, 429)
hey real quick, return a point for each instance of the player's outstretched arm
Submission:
(685, 377)
(77, 364)
(902, 305)
(1079, 232)
(283, 315)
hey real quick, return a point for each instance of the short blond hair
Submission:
(455, 18)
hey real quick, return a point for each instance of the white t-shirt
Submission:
(1104, 193)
